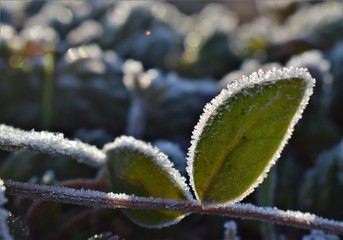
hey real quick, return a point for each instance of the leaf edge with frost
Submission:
(258, 77)
(14, 139)
(162, 161)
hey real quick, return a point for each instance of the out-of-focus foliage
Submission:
(195, 56)
(24, 166)
(18, 230)
(323, 184)
(315, 234)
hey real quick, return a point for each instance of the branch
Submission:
(13, 139)
(111, 200)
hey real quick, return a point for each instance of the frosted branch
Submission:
(12, 139)
(111, 200)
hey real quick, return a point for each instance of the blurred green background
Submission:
(67, 66)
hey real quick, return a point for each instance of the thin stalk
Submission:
(48, 87)
(137, 117)
(266, 197)
(110, 200)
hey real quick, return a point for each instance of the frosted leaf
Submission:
(132, 74)
(138, 168)
(320, 20)
(91, 51)
(132, 67)
(40, 35)
(13, 139)
(214, 18)
(156, 155)
(262, 28)
(4, 231)
(310, 58)
(85, 32)
(242, 88)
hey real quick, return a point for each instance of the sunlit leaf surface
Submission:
(243, 131)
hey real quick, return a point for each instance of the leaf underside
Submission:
(241, 139)
(132, 171)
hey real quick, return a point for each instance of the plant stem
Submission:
(110, 200)
(48, 87)
(136, 122)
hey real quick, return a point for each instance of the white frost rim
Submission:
(235, 87)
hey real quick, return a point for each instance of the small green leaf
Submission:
(242, 132)
(138, 168)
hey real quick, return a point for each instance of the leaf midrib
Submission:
(236, 140)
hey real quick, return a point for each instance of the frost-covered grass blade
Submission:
(242, 132)
(138, 168)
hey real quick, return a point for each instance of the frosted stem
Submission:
(111, 200)
(13, 139)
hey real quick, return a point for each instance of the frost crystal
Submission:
(259, 77)
(160, 159)
(51, 143)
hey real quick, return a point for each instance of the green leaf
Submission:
(242, 132)
(136, 167)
